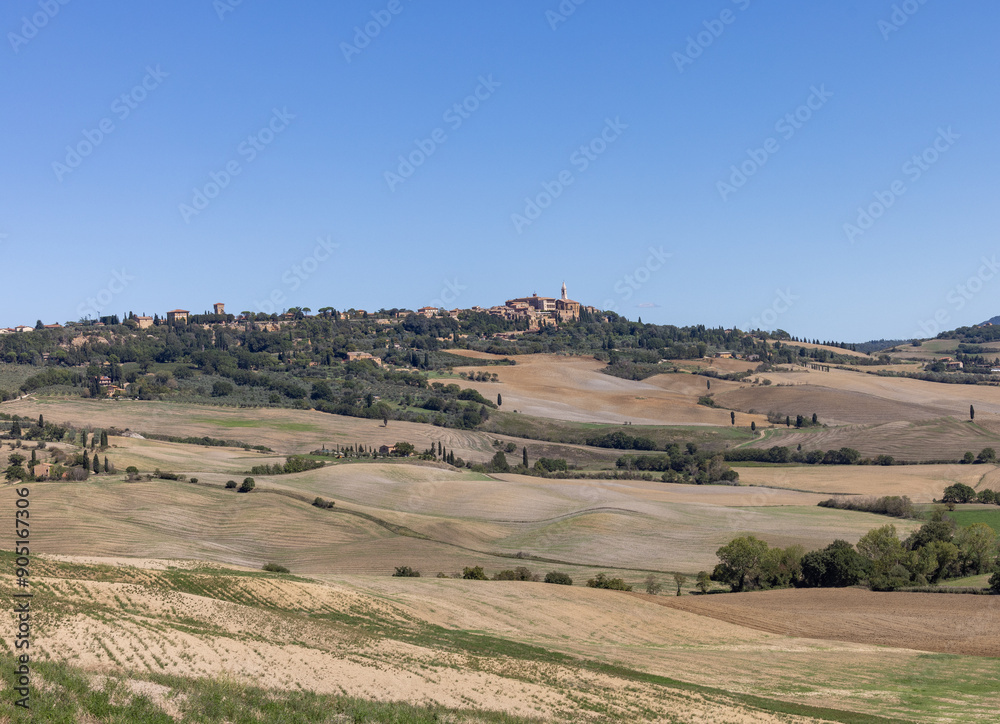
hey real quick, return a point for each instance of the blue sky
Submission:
(716, 153)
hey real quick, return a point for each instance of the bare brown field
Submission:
(948, 399)
(951, 624)
(939, 439)
(832, 406)
(574, 389)
(922, 483)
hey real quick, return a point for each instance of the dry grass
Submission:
(951, 624)
(922, 483)
(575, 389)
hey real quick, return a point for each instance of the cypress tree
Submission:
(524, 456)
(97, 463)
(107, 468)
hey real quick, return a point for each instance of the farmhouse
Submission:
(144, 322)
(177, 315)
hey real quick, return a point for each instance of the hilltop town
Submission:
(534, 312)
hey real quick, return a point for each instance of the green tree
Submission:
(15, 429)
(499, 400)
(815, 419)
(524, 456)
(97, 464)
(987, 455)
(499, 463)
(753, 427)
(704, 581)
(653, 586)
(107, 466)
(968, 458)
(972, 412)
(977, 544)
(558, 577)
(601, 580)
(406, 572)
(104, 439)
(739, 560)
(959, 493)
(474, 574)
(680, 579)
(884, 552)
(732, 418)
(247, 486)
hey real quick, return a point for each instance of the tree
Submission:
(753, 427)
(405, 572)
(704, 581)
(739, 560)
(788, 421)
(884, 551)
(104, 439)
(230, 484)
(41, 421)
(815, 419)
(708, 384)
(976, 545)
(614, 584)
(732, 417)
(958, 493)
(524, 456)
(15, 429)
(97, 463)
(107, 467)
(474, 574)
(680, 579)
(987, 455)
(558, 577)
(972, 412)
(836, 566)
(968, 458)
(499, 400)
(499, 463)
(247, 486)
(653, 586)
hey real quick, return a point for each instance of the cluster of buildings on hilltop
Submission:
(26, 328)
(537, 311)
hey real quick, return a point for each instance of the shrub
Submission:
(247, 486)
(194, 480)
(518, 574)
(558, 577)
(321, 503)
(132, 470)
(275, 568)
(614, 584)
(406, 572)
(474, 574)
(230, 483)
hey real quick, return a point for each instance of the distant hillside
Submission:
(877, 345)
(991, 320)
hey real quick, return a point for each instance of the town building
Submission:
(177, 315)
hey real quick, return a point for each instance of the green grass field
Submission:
(965, 518)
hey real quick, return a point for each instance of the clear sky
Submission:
(828, 169)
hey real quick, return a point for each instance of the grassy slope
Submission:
(562, 686)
